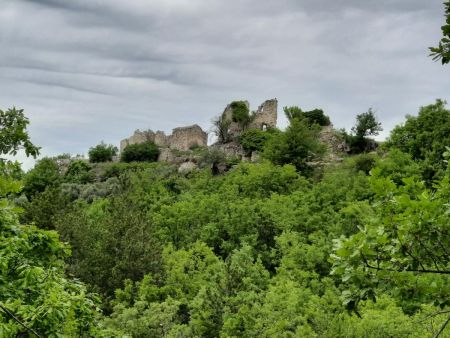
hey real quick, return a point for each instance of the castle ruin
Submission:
(186, 138)
(182, 138)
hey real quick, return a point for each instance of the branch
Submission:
(434, 314)
(443, 272)
(9, 313)
(442, 328)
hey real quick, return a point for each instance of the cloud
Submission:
(90, 70)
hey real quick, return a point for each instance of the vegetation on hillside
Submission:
(278, 248)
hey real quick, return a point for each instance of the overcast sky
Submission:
(89, 70)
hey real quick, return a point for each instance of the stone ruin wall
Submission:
(181, 138)
(184, 138)
(266, 115)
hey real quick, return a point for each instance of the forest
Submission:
(292, 245)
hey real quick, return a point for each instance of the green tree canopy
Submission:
(46, 173)
(298, 145)
(140, 152)
(102, 153)
(425, 137)
(367, 124)
(315, 116)
(442, 51)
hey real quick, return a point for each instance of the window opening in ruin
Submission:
(264, 127)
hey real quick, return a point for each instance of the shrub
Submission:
(79, 172)
(102, 153)
(45, 173)
(298, 145)
(240, 113)
(141, 152)
(365, 162)
(317, 116)
(254, 140)
(425, 137)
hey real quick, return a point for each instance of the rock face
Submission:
(335, 144)
(187, 167)
(182, 138)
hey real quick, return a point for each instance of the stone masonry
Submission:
(265, 117)
(182, 138)
(185, 138)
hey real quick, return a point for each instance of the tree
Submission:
(46, 173)
(102, 153)
(315, 116)
(442, 51)
(298, 145)
(140, 152)
(424, 137)
(221, 126)
(13, 133)
(254, 140)
(367, 125)
(36, 297)
(293, 112)
(79, 172)
(402, 250)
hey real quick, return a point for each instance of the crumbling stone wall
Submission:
(266, 115)
(182, 138)
(138, 137)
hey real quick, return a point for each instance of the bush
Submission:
(79, 172)
(141, 152)
(254, 140)
(102, 153)
(45, 173)
(365, 162)
(425, 137)
(298, 145)
(317, 116)
(240, 113)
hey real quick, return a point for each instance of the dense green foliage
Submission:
(366, 125)
(254, 140)
(45, 173)
(442, 51)
(266, 249)
(33, 286)
(298, 145)
(240, 113)
(315, 116)
(140, 152)
(425, 137)
(37, 299)
(102, 153)
(13, 133)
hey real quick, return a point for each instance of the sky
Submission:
(87, 71)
